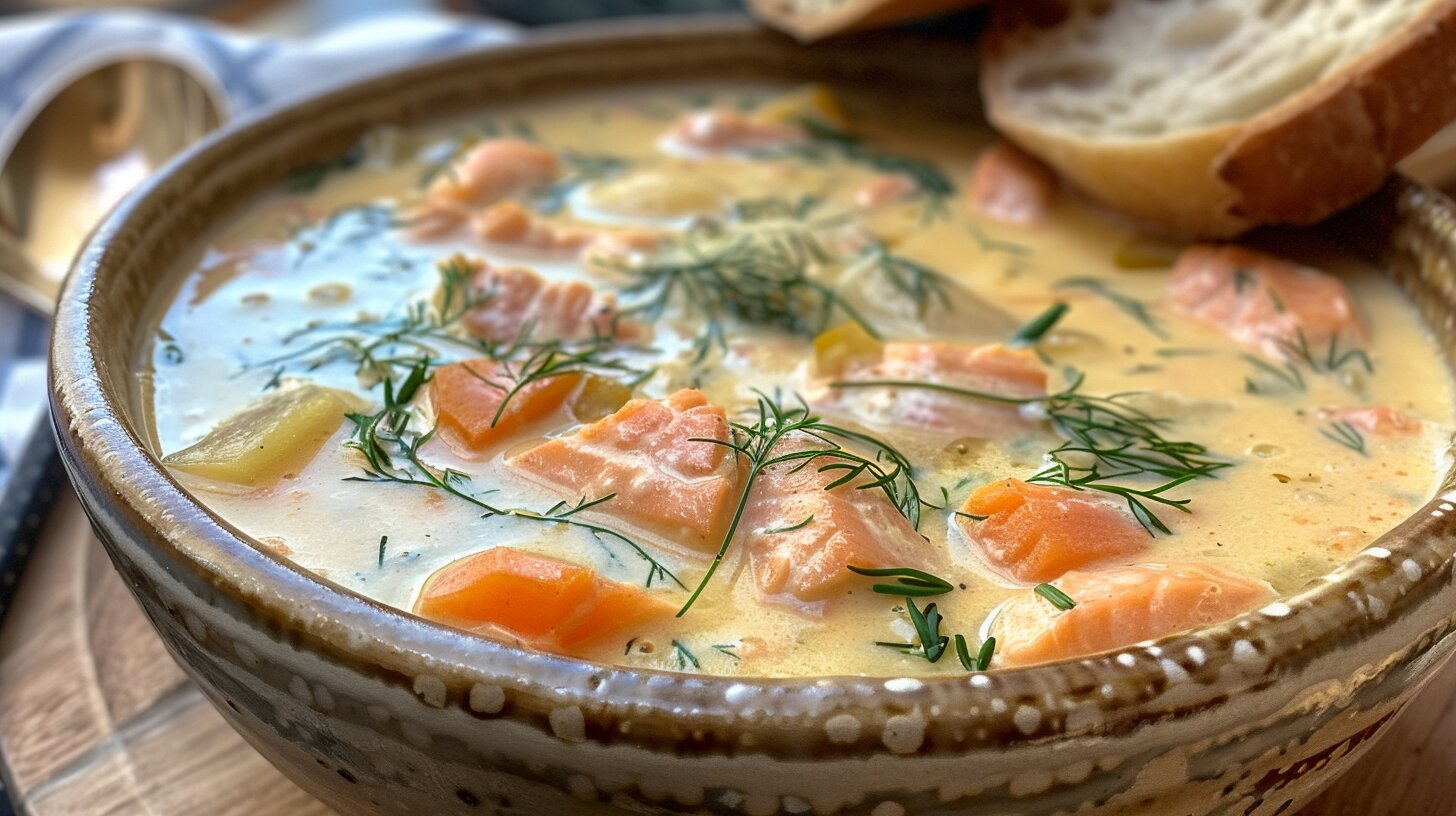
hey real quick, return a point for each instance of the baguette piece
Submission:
(1209, 117)
(810, 20)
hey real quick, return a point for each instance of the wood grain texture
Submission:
(96, 719)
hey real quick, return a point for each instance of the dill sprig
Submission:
(1055, 597)
(1333, 358)
(830, 142)
(1286, 375)
(684, 657)
(391, 453)
(909, 582)
(885, 469)
(1037, 328)
(382, 350)
(982, 660)
(1129, 306)
(1108, 442)
(922, 285)
(760, 277)
(1346, 434)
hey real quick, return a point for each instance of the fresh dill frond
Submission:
(1286, 375)
(1346, 434)
(727, 649)
(1132, 307)
(927, 629)
(909, 582)
(389, 349)
(1055, 597)
(761, 277)
(1108, 443)
(920, 284)
(311, 176)
(1333, 358)
(981, 661)
(1037, 328)
(770, 208)
(390, 450)
(789, 529)
(832, 450)
(684, 657)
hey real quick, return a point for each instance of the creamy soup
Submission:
(764, 381)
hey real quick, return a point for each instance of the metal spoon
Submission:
(96, 138)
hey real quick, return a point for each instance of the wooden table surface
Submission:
(95, 717)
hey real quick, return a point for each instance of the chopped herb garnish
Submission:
(383, 542)
(789, 529)
(1343, 433)
(1055, 597)
(684, 657)
(1333, 358)
(885, 469)
(982, 659)
(1034, 331)
(927, 629)
(1131, 307)
(391, 453)
(759, 277)
(1285, 375)
(307, 178)
(909, 581)
(727, 649)
(1107, 443)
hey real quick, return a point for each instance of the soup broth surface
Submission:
(826, 262)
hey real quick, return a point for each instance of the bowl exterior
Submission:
(376, 712)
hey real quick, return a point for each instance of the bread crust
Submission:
(852, 15)
(1323, 149)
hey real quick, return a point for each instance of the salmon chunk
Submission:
(1034, 533)
(805, 564)
(509, 224)
(882, 190)
(549, 604)
(468, 396)
(1011, 187)
(990, 369)
(1380, 420)
(1121, 606)
(1263, 302)
(492, 171)
(517, 300)
(651, 454)
(711, 132)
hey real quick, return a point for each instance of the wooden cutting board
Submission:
(95, 717)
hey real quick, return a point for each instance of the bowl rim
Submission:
(114, 469)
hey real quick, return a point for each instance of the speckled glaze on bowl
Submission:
(377, 712)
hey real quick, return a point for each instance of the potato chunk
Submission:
(276, 437)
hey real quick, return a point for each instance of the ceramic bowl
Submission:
(378, 712)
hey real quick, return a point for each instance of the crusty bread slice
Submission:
(1209, 117)
(810, 20)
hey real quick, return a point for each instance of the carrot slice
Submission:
(1034, 533)
(1119, 607)
(990, 369)
(468, 398)
(652, 455)
(801, 539)
(1264, 302)
(1011, 187)
(550, 604)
